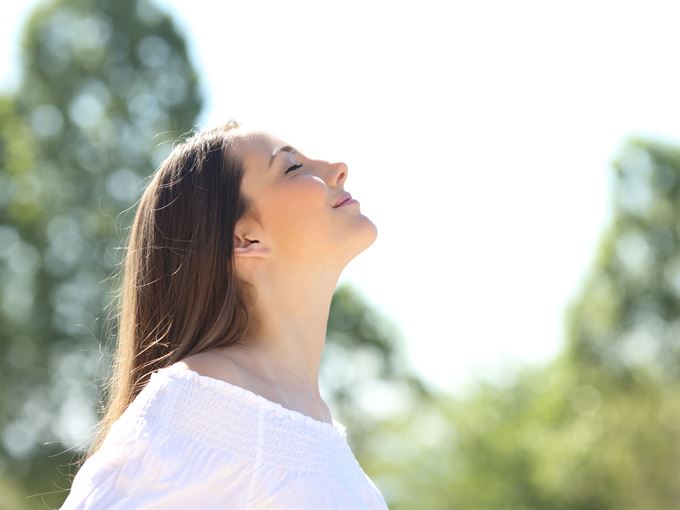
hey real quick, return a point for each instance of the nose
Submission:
(339, 174)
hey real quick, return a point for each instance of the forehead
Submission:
(254, 147)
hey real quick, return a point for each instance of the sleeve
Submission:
(100, 481)
(156, 469)
(96, 484)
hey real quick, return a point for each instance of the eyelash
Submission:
(293, 167)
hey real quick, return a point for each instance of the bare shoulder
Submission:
(229, 368)
(215, 365)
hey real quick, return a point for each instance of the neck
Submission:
(291, 310)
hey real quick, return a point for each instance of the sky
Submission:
(479, 138)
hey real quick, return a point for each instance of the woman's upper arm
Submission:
(103, 480)
(96, 484)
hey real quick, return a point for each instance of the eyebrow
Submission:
(283, 148)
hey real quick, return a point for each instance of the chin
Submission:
(374, 231)
(368, 235)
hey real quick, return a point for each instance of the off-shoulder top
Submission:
(189, 441)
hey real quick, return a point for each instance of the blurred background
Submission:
(512, 338)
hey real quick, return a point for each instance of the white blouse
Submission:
(193, 441)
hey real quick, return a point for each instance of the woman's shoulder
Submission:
(203, 399)
(208, 411)
(232, 370)
(225, 372)
(216, 366)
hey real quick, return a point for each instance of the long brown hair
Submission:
(179, 293)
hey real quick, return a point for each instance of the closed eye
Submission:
(293, 167)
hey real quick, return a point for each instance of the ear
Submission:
(244, 247)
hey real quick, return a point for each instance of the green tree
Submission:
(628, 318)
(106, 88)
(624, 339)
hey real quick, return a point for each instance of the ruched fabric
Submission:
(190, 441)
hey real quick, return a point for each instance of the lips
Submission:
(342, 199)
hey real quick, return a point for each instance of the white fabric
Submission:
(193, 441)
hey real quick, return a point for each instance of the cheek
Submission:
(298, 205)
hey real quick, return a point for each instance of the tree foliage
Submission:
(106, 88)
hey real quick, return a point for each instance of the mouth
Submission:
(345, 197)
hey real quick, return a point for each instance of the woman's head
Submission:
(293, 223)
(228, 210)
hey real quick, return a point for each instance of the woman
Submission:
(213, 402)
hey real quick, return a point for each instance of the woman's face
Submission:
(294, 196)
